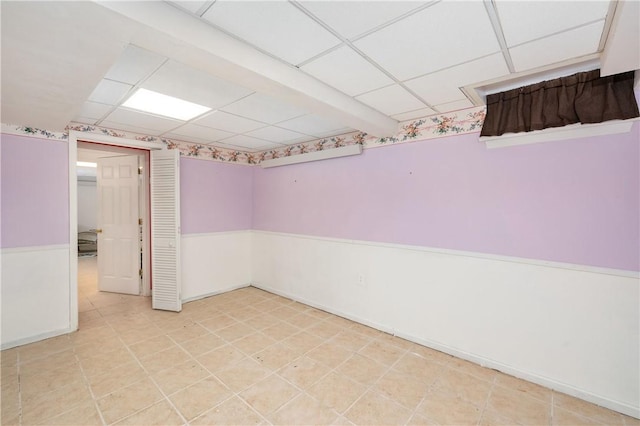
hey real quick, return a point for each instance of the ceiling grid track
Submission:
(277, 75)
(586, 24)
(611, 13)
(205, 7)
(490, 6)
(130, 91)
(359, 36)
(348, 43)
(396, 19)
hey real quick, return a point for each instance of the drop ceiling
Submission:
(276, 73)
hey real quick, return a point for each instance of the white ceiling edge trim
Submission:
(344, 151)
(558, 133)
(622, 50)
(478, 92)
(204, 47)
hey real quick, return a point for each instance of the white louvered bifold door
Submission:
(165, 230)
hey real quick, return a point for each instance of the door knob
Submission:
(98, 231)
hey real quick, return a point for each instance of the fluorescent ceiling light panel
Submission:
(167, 106)
(86, 164)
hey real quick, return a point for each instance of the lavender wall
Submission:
(34, 192)
(571, 201)
(214, 196)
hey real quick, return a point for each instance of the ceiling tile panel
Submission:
(442, 86)
(419, 113)
(352, 18)
(248, 142)
(183, 82)
(391, 100)
(142, 120)
(134, 64)
(109, 92)
(85, 120)
(454, 106)
(229, 122)
(130, 128)
(311, 125)
(570, 44)
(191, 139)
(437, 37)
(276, 134)
(336, 132)
(524, 21)
(347, 71)
(191, 6)
(200, 132)
(276, 27)
(264, 108)
(94, 110)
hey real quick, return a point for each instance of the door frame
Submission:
(74, 137)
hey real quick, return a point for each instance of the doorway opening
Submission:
(107, 270)
(163, 232)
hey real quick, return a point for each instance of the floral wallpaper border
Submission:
(431, 127)
(33, 131)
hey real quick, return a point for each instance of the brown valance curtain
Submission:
(580, 98)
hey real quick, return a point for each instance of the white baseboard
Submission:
(37, 338)
(215, 293)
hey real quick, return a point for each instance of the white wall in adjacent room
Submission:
(87, 205)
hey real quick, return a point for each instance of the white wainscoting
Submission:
(215, 263)
(571, 328)
(35, 294)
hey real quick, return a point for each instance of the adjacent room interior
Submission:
(301, 212)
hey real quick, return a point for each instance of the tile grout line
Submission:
(370, 387)
(211, 374)
(276, 371)
(486, 402)
(424, 397)
(44, 358)
(88, 384)
(300, 389)
(18, 364)
(148, 376)
(166, 397)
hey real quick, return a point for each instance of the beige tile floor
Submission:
(251, 357)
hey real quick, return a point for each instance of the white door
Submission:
(165, 230)
(118, 230)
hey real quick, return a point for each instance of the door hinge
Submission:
(140, 272)
(139, 170)
(140, 221)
